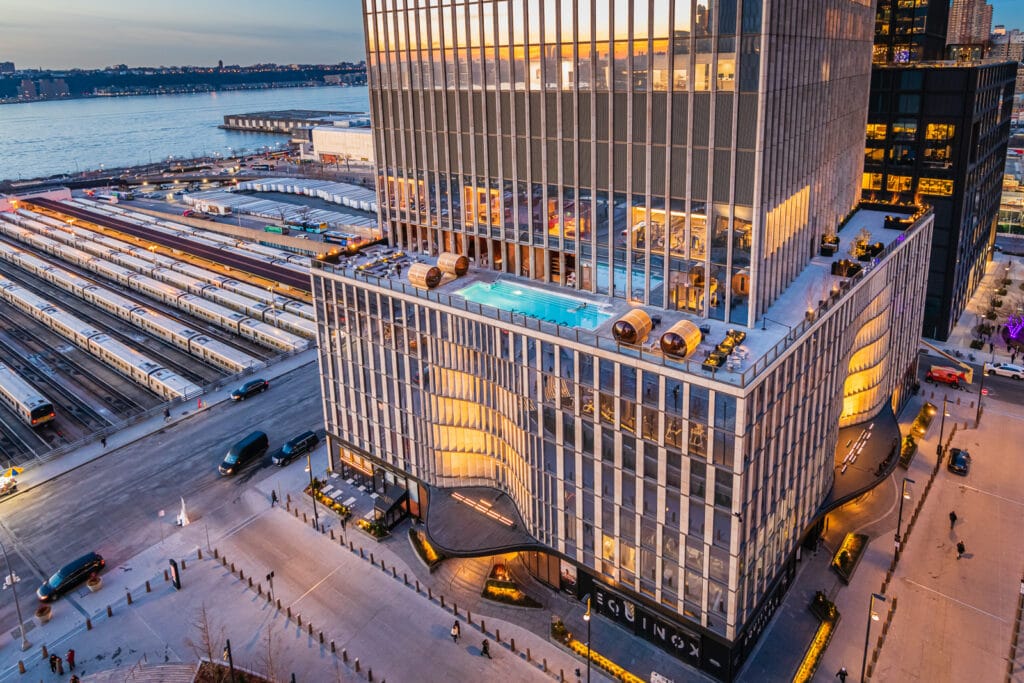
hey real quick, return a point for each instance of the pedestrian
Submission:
(842, 674)
(273, 497)
(53, 663)
(74, 679)
(991, 347)
(60, 666)
(456, 631)
(485, 649)
(103, 441)
(952, 518)
(960, 548)
(70, 656)
(344, 523)
(167, 414)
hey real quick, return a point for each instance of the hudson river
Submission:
(69, 136)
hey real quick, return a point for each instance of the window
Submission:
(935, 186)
(877, 131)
(871, 181)
(899, 183)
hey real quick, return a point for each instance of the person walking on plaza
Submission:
(70, 656)
(960, 548)
(53, 663)
(456, 631)
(952, 518)
(842, 674)
(485, 649)
(273, 497)
(74, 679)
(60, 666)
(103, 441)
(167, 414)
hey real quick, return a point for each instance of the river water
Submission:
(70, 136)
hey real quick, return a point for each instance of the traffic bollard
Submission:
(129, 594)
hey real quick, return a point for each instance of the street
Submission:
(112, 505)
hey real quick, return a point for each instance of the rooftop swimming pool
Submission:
(536, 303)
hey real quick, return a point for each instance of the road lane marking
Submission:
(993, 495)
(959, 602)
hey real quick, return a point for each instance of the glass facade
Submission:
(621, 148)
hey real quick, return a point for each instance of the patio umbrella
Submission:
(11, 471)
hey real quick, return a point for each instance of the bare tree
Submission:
(266, 660)
(209, 636)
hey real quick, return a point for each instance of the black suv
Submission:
(250, 388)
(70, 575)
(959, 462)
(294, 447)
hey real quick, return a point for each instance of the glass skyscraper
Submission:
(626, 340)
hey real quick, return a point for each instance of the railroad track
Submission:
(69, 404)
(15, 448)
(169, 355)
(100, 381)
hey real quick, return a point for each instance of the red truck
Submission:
(946, 375)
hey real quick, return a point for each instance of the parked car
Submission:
(1005, 370)
(188, 212)
(250, 388)
(70, 575)
(959, 462)
(946, 375)
(294, 447)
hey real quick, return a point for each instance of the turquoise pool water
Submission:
(535, 303)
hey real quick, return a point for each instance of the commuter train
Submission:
(273, 301)
(121, 357)
(233, 321)
(277, 257)
(22, 398)
(165, 327)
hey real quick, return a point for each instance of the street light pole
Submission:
(586, 618)
(942, 429)
(231, 660)
(13, 580)
(867, 636)
(312, 493)
(981, 392)
(899, 520)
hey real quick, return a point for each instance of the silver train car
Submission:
(24, 399)
(121, 357)
(165, 327)
(86, 238)
(234, 321)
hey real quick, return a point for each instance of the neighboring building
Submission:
(1008, 47)
(27, 89)
(908, 32)
(52, 88)
(7, 68)
(595, 193)
(970, 23)
(292, 121)
(939, 132)
(338, 145)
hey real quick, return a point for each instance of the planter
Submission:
(43, 613)
(94, 583)
(846, 559)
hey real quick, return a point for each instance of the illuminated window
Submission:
(935, 186)
(940, 132)
(905, 129)
(871, 181)
(873, 155)
(899, 183)
(877, 131)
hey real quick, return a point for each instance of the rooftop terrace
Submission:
(589, 318)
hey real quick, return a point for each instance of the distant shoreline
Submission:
(185, 90)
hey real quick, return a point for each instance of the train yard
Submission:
(108, 313)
